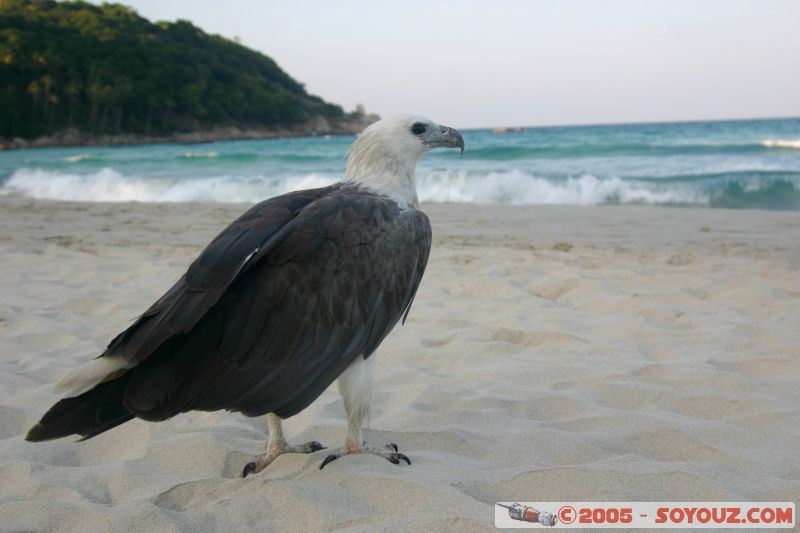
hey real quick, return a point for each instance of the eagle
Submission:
(298, 291)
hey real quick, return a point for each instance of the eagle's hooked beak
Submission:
(448, 138)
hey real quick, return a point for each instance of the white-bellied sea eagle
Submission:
(298, 291)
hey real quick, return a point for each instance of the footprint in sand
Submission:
(526, 338)
(437, 343)
(554, 291)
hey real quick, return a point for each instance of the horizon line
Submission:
(632, 123)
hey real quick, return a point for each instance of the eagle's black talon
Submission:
(332, 457)
(404, 457)
(249, 468)
(316, 446)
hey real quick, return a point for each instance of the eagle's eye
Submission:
(418, 128)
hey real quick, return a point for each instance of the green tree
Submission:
(105, 69)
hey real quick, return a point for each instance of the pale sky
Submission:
(536, 62)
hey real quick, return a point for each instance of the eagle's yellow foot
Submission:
(389, 452)
(276, 449)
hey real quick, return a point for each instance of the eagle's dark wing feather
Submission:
(279, 306)
(209, 276)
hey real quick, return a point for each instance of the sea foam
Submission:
(77, 158)
(511, 187)
(200, 155)
(517, 187)
(781, 143)
(756, 188)
(108, 185)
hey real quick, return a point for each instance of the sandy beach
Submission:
(552, 354)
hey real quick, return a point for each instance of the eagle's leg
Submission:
(355, 386)
(277, 445)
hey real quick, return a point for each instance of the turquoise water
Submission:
(706, 164)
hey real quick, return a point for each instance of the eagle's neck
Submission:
(371, 166)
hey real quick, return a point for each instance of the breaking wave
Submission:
(765, 190)
(782, 143)
(108, 185)
(77, 158)
(200, 155)
(770, 190)
(515, 187)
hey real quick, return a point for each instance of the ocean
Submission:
(733, 164)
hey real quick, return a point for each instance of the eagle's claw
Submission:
(249, 468)
(332, 457)
(397, 456)
(315, 446)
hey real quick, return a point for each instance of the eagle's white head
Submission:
(384, 156)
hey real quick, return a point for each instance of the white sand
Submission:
(553, 353)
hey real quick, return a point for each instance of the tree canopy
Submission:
(105, 69)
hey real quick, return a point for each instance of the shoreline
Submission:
(71, 137)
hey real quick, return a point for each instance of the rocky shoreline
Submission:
(349, 124)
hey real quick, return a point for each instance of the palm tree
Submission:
(47, 81)
(95, 90)
(34, 90)
(72, 89)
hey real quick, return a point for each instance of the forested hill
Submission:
(106, 70)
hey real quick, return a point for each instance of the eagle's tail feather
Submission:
(87, 415)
